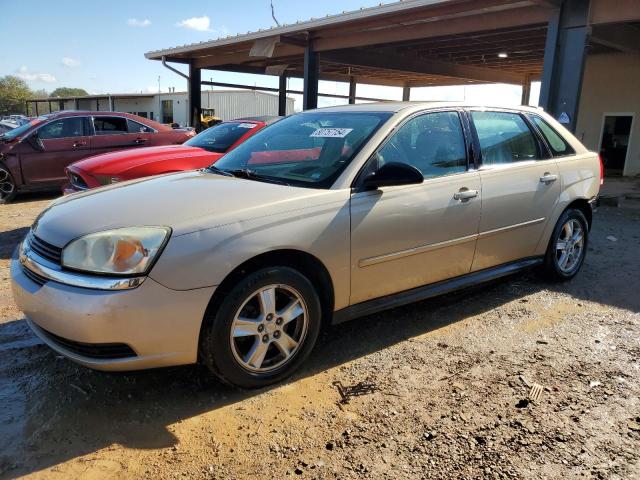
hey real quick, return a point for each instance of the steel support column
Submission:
(76, 104)
(282, 96)
(311, 77)
(195, 97)
(406, 93)
(564, 59)
(352, 90)
(526, 90)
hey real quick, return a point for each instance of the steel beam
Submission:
(282, 96)
(564, 59)
(194, 96)
(311, 77)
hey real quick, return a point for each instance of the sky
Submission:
(100, 46)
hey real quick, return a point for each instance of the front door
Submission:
(407, 236)
(520, 187)
(65, 141)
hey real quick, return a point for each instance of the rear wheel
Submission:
(263, 329)
(568, 246)
(7, 185)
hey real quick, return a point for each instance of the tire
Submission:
(561, 264)
(8, 187)
(245, 340)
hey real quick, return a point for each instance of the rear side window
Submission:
(504, 138)
(556, 143)
(110, 125)
(137, 127)
(63, 128)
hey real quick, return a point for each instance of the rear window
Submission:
(557, 144)
(110, 125)
(137, 127)
(218, 139)
(504, 138)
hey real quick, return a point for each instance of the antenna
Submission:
(273, 14)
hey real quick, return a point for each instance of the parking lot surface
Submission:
(517, 379)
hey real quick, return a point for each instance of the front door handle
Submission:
(548, 178)
(139, 141)
(78, 144)
(465, 194)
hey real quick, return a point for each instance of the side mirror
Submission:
(392, 174)
(35, 142)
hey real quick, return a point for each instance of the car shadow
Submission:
(9, 240)
(52, 410)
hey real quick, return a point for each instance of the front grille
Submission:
(44, 249)
(101, 351)
(33, 276)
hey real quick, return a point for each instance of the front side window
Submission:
(556, 143)
(308, 149)
(110, 125)
(137, 127)
(219, 139)
(433, 143)
(63, 128)
(504, 138)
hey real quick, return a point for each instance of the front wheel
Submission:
(263, 329)
(568, 246)
(7, 185)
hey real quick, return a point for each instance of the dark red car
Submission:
(198, 152)
(34, 155)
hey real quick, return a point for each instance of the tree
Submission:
(13, 94)
(63, 92)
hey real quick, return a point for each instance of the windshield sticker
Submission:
(247, 125)
(331, 132)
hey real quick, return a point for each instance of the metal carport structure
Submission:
(421, 43)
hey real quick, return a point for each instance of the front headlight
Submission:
(120, 251)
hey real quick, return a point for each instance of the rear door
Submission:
(118, 133)
(65, 141)
(520, 187)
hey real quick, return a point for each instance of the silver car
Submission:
(325, 216)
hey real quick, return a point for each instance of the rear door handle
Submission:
(465, 194)
(548, 178)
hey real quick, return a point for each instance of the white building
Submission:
(169, 107)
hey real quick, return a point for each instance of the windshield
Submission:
(16, 132)
(219, 139)
(307, 149)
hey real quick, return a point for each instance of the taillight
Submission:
(601, 170)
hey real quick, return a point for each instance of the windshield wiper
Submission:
(253, 175)
(219, 171)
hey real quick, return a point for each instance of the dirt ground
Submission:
(438, 389)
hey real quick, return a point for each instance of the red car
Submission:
(34, 155)
(199, 152)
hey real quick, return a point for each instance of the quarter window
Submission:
(433, 143)
(557, 144)
(63, 128)
(504, 138)
(110, 125)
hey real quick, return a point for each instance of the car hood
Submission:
(122, 160)
(186, 202)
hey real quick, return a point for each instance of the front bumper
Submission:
(160, 326)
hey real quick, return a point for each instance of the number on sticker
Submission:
(331, 132)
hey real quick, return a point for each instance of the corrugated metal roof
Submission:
(299, 27)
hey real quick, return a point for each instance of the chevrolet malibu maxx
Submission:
(240, 265)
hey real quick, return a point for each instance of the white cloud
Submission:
(24, 74)
(134, 22)
(70, 62)
(201, 24)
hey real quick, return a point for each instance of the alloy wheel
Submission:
(7, 187)
(570, 246)
(269, 328)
